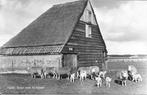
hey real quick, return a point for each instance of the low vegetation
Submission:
(25, 84)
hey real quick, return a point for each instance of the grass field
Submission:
(24, 84)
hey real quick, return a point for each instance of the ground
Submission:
(24, 84)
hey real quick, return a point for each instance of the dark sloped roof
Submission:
(51, 28)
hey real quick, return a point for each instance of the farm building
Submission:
(65, 35)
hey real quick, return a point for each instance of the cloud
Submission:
(123, 34)
(17, 14)
(124, 27)
(108, 4)
(132, 47)
(126, 23)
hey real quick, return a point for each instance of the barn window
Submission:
(70, 49)
(88, 31)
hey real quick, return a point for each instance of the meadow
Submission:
(24, 84)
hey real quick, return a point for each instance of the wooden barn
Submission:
(65, 35)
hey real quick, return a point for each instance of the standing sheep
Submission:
(137, 78)
(131, 71)
(72, 77)
(83, 75)
(108, 80)
(123, 76)
(98, 81)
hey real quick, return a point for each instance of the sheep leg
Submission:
(68, 77)
(58, 76)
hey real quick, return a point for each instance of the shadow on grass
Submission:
(119, 82)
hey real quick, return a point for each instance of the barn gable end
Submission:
(89, 50)
(84, 16)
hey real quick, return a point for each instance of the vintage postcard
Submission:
(54, 47)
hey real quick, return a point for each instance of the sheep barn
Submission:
(65, 35)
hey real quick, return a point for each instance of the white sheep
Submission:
(72, 77)
(123, 76)
(48, 70)
(83, 75)
(98, 81)
(108, 80)
(137, 78)
(132, 70)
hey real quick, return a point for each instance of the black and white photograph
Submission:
(73, 47)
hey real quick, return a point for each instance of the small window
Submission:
(88, 31)
(70, 49)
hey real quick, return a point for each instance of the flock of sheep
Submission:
(130, 74)
(92, 72)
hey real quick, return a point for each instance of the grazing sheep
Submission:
(63, 70)
(49, 70)
(72, 77)
(36, 71)
(83, 75)
(123, 76)
(108, 80)
(89, 70)
(83, 69)
(137, 78)
(98, 81)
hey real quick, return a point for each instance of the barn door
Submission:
(70, 60)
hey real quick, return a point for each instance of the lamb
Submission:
(72, 77)
(36, 71)
(108, 80)
(137, 78)
(89, 70)
(63, 70)
(132, 71)
(83, 75)
(123, 76)
(48, 70)
(98, 81)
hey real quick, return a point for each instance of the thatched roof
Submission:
(53, 27)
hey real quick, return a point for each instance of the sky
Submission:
(123, 23)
